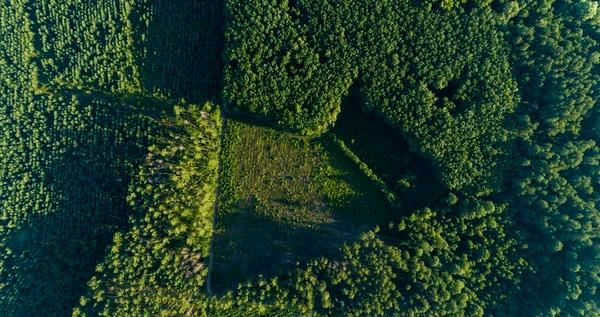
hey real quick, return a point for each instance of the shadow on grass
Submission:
(270, 234)
(254, 244)
(412, 177)
(254, 240)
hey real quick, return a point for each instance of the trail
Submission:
(216, 204)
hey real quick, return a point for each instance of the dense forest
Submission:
(300, 158)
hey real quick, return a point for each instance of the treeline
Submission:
(459, 262)
(159, 264)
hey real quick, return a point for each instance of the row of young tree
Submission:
(123, 47)
(68, 145)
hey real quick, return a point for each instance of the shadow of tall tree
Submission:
(80, 152)
(269, 232)
(76, 158)
(413, 177)
(183, 49)
(254, 244)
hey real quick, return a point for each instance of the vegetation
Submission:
(158, 265)
(284, 200)
(499, 96)
(371, 158)
(77, 114)
(447, 88)
(555, 189)
(428, 263)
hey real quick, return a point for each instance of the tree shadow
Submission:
(183, 49)
(256, 237)
(255, 245)
(56, 246)
(411, 176)
(87, 169)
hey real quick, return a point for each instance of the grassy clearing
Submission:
(286, 199)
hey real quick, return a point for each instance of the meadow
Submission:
(285, 200)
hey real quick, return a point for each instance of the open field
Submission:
(285, 200)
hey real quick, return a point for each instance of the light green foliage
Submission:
(159, 264)
(86, 44)
(76, 109)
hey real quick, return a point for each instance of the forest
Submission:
(299, 158)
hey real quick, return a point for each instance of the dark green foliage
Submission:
(159, 264)
(447, 87)
(66, 162)
(182, 42)
(406, 178)
(458, 262)
(485, 111)
(555, 192)
(76, 109)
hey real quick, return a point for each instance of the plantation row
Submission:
(65, 166)
(77, 115)
(125, 47)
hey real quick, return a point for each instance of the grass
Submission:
(286, 199)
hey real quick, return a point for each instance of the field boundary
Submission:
(216, 204)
